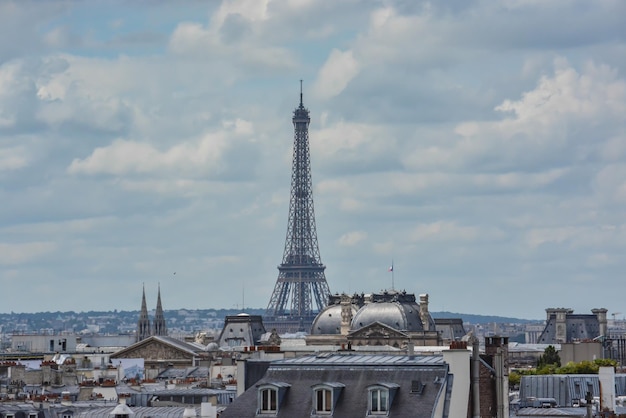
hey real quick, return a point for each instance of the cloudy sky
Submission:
(480, 145)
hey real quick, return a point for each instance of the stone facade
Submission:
(160, 353)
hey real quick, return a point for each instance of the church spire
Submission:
(159, 326)
(143, 325)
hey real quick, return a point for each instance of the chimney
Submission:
(606, 376)
(498, 349)
(208, 410)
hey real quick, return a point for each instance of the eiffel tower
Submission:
(301, 290)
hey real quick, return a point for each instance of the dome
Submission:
(403, 316)
(212, 346)
(328, 321)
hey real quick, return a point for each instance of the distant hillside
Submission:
(188, 320)
(481, 319)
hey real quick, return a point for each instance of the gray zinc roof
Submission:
(356, 373)
(565, 388)
(139, 412)
(335, 359)
(552, 412)
(175, 373)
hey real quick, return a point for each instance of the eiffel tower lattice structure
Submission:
(301, 290)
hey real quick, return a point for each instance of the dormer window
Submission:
(269, 400)
(270, 397)
(380, 397)
(325, 397)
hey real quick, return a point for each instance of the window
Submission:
(417, 386)
(323, 401)
(325, 397)
(270, 397)
(380, 398)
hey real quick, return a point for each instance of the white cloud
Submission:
(338, 70)
(239, 47)
(610, 182)
(491, 134)
(124, 157)
(543, 128)
(15, 254)
(352, 238)
(588, 95)
(345, 140)
(250, 10)
(444, 231)
(13, 158)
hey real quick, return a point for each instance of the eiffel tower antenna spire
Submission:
(301, 290)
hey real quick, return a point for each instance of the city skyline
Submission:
(479, 147)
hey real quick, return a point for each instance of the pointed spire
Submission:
(159, 326)
(144, 305)
(143, 324)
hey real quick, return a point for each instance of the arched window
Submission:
(380, 397)
(323, 401)
(379, 400)
(325, 397)
(270, 397)
(269, 400)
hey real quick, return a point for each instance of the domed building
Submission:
(388, 318)
(329, 321)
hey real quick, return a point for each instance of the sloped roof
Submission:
(356, 373)
(139, 412)
(565, 388)
(174, 373)
(552, 412)
(169, 341)
(577, 327)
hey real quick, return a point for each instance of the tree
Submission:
(514, 379)
(549, 358)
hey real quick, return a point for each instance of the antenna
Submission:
(301, 93)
